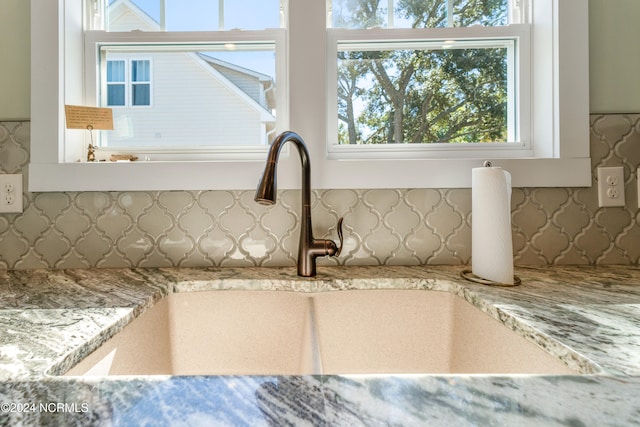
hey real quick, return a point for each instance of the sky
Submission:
(201, 15)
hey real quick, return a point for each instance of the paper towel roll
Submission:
(491, 241)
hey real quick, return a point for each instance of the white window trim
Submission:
(560, 102)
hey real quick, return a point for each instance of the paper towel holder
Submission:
(468, 274)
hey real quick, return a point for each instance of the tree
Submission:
(418, 95)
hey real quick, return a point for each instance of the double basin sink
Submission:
(237, 332)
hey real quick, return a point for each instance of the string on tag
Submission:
(91, 151)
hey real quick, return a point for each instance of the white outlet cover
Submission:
(611, 186)
(11, 202)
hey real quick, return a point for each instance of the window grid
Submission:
(140, 82)
(128, 83)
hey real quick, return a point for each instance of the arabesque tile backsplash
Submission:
(404, 226)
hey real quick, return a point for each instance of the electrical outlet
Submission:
(611, 186)
(10, 193)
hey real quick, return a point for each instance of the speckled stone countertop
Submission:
(589, 317)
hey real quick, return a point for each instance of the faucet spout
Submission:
(309, 248)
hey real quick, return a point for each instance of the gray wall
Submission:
(403, 226)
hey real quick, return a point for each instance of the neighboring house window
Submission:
(116, 84)
(423, 94)
(140, 82)
(137, 90)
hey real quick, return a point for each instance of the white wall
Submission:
(614, 57)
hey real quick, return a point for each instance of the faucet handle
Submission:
(340, 236)
(329, 247)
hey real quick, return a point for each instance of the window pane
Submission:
(423, 95)
(193, 15)
(140, 71)
(115, 95)
(417, 13)
(141, 94)
(115, 71)
(251, 14)
(214, 97)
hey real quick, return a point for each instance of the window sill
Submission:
(205, 175)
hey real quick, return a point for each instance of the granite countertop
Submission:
(589, 317)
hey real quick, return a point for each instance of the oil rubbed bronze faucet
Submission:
(309, 248)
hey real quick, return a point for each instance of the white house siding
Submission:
(189, 107)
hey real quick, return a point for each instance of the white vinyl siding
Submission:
(221, 117)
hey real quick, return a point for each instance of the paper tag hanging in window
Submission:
(94, 118)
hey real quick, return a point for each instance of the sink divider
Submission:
(316, 357)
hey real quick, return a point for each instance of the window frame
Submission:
(559, 107)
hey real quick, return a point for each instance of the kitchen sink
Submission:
(239, 332)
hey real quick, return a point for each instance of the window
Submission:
(116, 83)
(415, 77)
(135, 91)
(531, 117)
(213, 92)
(458, 92)
(140, 83)
(424, 90)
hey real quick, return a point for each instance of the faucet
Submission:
(309, 248)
